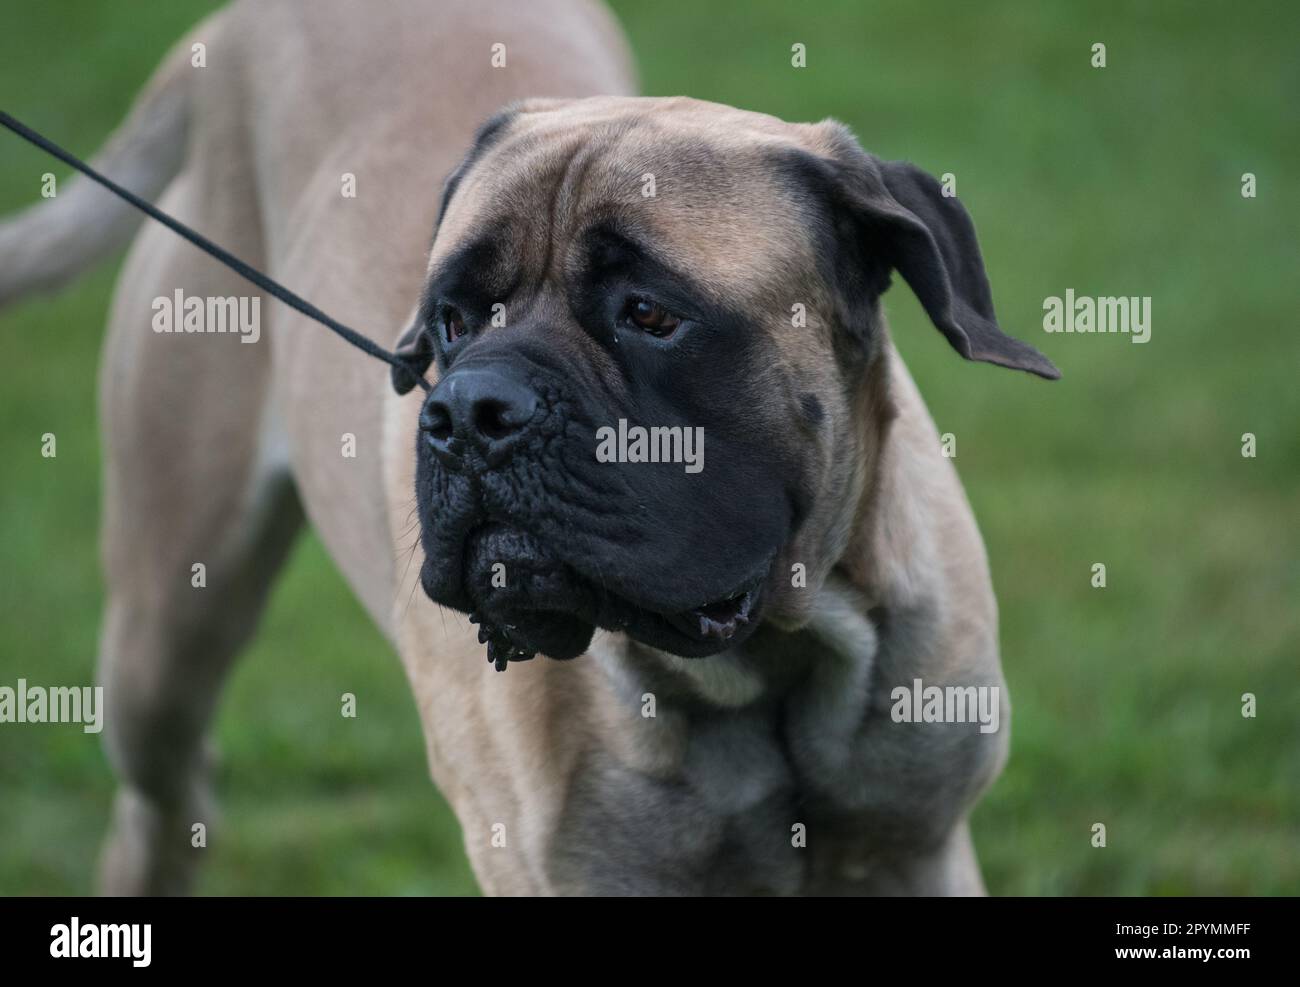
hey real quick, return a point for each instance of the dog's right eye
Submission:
(453, 324)
(651, 317)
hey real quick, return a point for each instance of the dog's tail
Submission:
(46, 245)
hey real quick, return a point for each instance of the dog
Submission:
(715, 708)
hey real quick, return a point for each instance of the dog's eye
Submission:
(453, 324)
(652, 317)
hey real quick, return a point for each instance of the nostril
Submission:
(493, 419)
(436, 421)
(479, 409)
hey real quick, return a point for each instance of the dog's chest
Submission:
(724, 780)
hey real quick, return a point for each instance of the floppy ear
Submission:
(415, 350)
(899, 214)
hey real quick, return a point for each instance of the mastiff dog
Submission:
(668, 449)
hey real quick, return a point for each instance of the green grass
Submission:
(1123, 180)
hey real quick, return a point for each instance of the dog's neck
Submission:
(840, 634)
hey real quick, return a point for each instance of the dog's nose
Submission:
(479, 406)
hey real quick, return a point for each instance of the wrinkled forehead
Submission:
(695, 187)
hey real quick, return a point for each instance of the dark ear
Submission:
(415, 350)
(901, 214)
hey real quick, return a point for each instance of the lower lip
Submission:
(704, 627)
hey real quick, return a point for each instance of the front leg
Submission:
(892, 797)
(948, 870)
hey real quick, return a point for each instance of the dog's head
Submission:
(654, 322)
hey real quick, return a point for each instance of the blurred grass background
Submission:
(1124, 180)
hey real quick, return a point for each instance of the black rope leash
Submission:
(414, 367)
(500, 649)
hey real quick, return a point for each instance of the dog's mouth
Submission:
(719, 620)
(527, 600)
